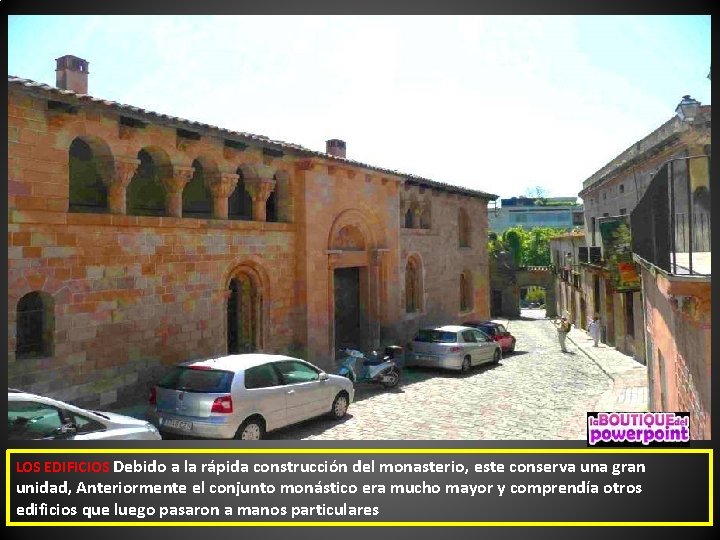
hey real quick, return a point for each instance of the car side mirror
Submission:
(65, 431)
(323, 376)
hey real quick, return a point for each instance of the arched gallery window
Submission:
(145, 193)
(196, 197)
(87, 189)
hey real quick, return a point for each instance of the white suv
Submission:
(36, 417)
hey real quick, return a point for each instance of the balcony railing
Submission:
(672, 222)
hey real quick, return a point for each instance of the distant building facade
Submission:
(525, 212)
(570, 298)
(611, 194)
(137, 240)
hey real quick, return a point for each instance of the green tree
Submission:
(513, 239)
(530, 247)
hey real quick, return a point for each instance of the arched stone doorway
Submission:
(355, 269)
(245, 312)
(538, 277)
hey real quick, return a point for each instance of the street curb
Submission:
(595, 361)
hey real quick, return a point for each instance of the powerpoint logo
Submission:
(638, 429)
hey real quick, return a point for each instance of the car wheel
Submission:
(391, 379)
(339, 406)
(465, 367)
(496, 356)
(252, 429)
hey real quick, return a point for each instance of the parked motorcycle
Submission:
(382, 369)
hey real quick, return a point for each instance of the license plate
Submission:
(177, 424)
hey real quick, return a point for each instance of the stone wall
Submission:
(130, 294)
(678, 321)
(442, 263)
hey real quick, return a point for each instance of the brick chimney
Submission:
(335, 147)
(72, 74)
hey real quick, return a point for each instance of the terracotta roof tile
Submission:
(296, 148)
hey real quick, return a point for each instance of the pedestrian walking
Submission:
(594, 329)
(563, 328)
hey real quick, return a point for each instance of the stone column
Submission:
(375, 286)
(259, 189)
(175, 180)
(221, 187)
(119, 175)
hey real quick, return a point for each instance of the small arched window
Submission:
(87, 189)
(463, 228)
(34, 326)
(466, 292)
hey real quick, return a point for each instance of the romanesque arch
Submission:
(146, 194)
(356, 220)
(240, 203)
(246, 313)
(354, 268)
(89, 172)
(196, 197)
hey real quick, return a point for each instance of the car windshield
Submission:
(189, 379)
(436, 336)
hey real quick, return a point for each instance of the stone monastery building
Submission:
(137, 240)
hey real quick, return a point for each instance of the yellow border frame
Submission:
(708, 451)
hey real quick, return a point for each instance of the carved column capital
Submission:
(176, 178)
(223, 184)
(120, 171)
(259, 188)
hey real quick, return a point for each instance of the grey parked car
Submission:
(453, 347)
(243, 396)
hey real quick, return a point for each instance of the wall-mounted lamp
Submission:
(687, 109)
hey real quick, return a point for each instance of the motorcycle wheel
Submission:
(391, 379)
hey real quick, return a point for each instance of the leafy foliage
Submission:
(528, 247)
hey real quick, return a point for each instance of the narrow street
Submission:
(536, 393)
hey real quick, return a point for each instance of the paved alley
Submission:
(536, 393)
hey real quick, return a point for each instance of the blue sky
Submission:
(496, 103)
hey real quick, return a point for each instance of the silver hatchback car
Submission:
(243, 396)
(452, 347)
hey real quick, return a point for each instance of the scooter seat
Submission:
(372, 361)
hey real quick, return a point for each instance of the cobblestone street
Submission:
(536, 393)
